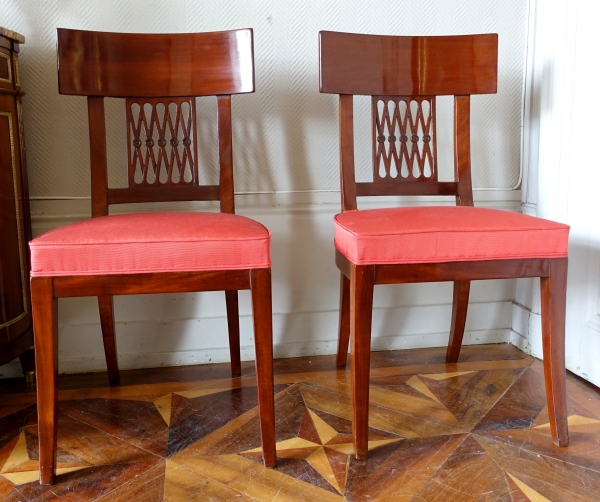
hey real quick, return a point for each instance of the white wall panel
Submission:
(285, 139)
(288, 130)
(564, 50)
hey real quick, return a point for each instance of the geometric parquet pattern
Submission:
(473, 431)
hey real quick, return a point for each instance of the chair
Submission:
(159, 252)
(403, 75)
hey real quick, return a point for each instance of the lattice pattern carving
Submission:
(161, 141)
(404, 142)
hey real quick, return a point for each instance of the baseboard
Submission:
(175, 342)
(85, 364)
(520, 341)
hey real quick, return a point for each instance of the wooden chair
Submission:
(159, 252)
(425, 244)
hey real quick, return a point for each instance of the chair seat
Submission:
(445, 234)
(152, 242)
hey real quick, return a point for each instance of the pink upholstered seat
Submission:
(445, 234)
(152, 242)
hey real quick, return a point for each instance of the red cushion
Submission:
(442, 234)
(152, 242)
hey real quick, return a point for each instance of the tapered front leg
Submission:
(554, 304)
(361, 313)
(45, 332)
(460, 304)
(233, 324)
(344, 324)
(260, 283)
(107, 323)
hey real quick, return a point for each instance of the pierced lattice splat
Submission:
(404, 142)
(161, 141)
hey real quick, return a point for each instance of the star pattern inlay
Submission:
(325, 449)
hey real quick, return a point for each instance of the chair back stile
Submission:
(161, 112)
(403, 106)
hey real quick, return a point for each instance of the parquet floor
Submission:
(476, 430)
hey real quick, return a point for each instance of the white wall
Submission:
(289, 137)
(564, 171)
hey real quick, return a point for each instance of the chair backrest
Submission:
(403, 76)
(159, 75)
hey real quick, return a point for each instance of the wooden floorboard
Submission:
(475, 430)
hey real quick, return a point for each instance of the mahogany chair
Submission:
(156, 252)
(403, 76)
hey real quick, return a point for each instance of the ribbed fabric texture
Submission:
(152, 242)
(444, 234)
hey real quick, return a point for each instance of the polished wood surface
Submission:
(16, 337)
(109, 337)
(263, 326)
(403, 75)
(98, 156)
(155, 283)
(362, 280)
(45, 318)
(375, 65)
(554, 302)
(344, 322)
(475, 430)
(413, 119)
(233, 326)
(159, 75)
(174, 154)
(460, 303)
(95, 63)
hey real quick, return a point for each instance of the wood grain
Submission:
(45, 322)
(344, 322)
(263, 336)
(554, 305)
(16, 337)
(361, 311)
(233, 326)
(135, 284)
(94, 63)
(107, 324)
(460, 303)
(407, 66)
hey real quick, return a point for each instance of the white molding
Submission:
(289, 350)
(93, 363)
(49, 213)
(200, 341)
(520, 341)
(592, 315)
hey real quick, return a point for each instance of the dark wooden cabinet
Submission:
(16, 337)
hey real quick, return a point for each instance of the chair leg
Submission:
(344, 325)
(554, 299)
(107, 323)
(233, 324)
(45, 326)
(460, 303)
(260, 283)
(361, 313)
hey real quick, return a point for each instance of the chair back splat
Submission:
(161, 111)
(403, 76)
